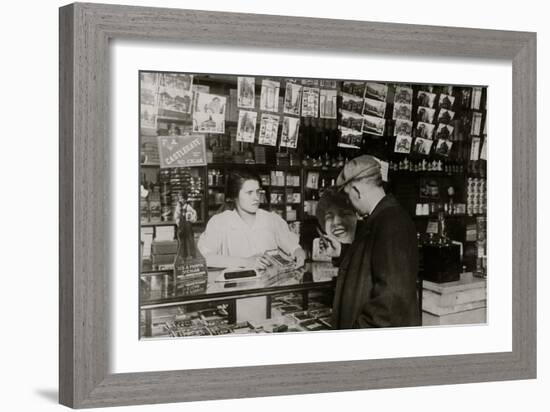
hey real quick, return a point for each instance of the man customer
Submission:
(377, 278)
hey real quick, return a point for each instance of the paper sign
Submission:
(182, 151)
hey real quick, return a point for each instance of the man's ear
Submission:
(356, 190)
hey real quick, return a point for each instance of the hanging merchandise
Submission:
(425, 99)
(354, 88)
(327, 106)
(424, 130)
(403, 127)
(373, 125)
(402, 111)
(483, 154)
(445, 116)
(269, 126)
(349, 138)
(175, 94)
(293, 99)
(444, 131)
(246, 128)
(310, 102)
(474, 150)
(422, 146)
(269, 99)
(476, 98)
(209, 113)
(376, 91)
(374, 107)
(403, 95)
(476, 124)
(425, 114)
(246, 94)
(352, 103)
(289, 134)
(403, 144)
(443, 147)
(148, 100)
(446, 101)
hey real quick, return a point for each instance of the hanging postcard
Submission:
(443, 147)
(352, 103)
(246, 93)
(425, 114)
(374, 107)
(403, 144)
(349, 138)
(376, 91)
(289, 134)
(269, 126)
(310, 82)
(403, 127)
(293, 99)
(422, 146)
(403, 95)
(327, 106)
(246, 128)
(424, 130)
(148, 93)
(329, 84)
(269, 99)
(476, 98)
(425, 99)
(209, 113)
(402, 111)
(483, 154)
(373, 125)
(175, 93)
(476, 124)
(310, 102)
(446, 101)
(355, 88)
(445, 116)
(351, 120)
(474, 150)
(444, 131)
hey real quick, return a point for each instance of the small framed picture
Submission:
(403, 144)
(402, 111)
(422, 146)
(373, 125)
(443, 147)
(424, 130)
(376, 91)
(425, 114)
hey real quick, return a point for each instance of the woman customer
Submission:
(240, 235)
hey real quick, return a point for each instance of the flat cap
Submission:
(359, 167)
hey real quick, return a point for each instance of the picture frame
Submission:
(85, 32)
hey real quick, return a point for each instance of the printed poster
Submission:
(269, 126)
(269, 99)
(246, 92)
(289, 134)
(246, 128)
(209, 113)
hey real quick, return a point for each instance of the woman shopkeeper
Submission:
(240, 235)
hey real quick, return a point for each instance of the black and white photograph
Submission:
(355, 88)
(443, 147)
(403, 95)
(350, 138)
(446, 101)
(209, 113)
(246, 92)
(310, 102)
(403, 127)
(425, 99)
(422, 146)
(445, 116)
(352, 103)
(269, 98)
(328, 104)
(374, 107)
(376, 91)
(402, 111)
(246, 128)
(425, 115)
(444, 131)
(269, 126)
(175, 93)
(351, 120)
(223, 214)
(373, 125)
(289, 134)
(293, 99)
(403, 144)
(424, 130)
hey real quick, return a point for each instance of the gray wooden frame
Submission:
(85, 31)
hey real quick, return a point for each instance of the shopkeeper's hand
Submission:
(259, 262)
(300, 257)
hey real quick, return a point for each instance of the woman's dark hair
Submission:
(332, 199)
(233, 185)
